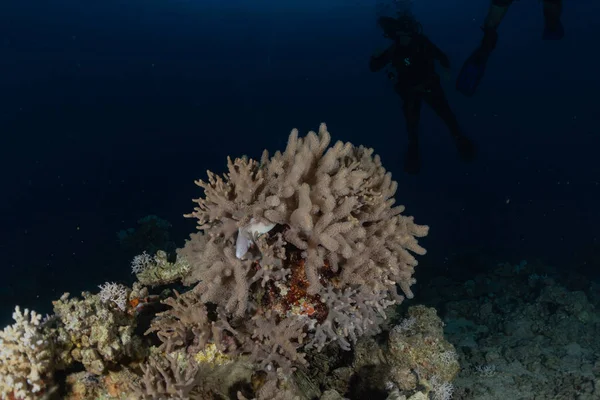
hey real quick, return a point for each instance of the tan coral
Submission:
(334, 208)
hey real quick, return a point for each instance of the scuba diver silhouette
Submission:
(412, 55)
(473, 69)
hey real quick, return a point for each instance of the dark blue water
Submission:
(109, 111)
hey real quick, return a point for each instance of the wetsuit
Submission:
(417, 81)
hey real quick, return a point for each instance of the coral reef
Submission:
(326, 253)
(26, 358)
(418, 344)
(522, 330)
(111, 385)
(157, 270)
(300, 254)
(416, 357)
(95, 332)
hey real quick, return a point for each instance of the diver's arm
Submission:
(437, 53)
(378, 62)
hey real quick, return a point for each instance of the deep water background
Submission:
(110, 110)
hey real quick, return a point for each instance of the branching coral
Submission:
(185, 324)
(323, 246)
(25, 358)
(295, 251)
(166, 378)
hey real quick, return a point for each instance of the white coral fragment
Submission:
(246, 235)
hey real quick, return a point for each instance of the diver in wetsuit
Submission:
(412, 56)
(473, 69)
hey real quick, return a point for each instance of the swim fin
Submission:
(473, 69)
(471, 74)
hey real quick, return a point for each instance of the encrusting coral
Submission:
(95, 332)
(298, 251)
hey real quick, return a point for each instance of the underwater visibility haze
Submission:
(359, 199)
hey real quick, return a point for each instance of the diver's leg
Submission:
(473, 69)
(493, 19)
(553, 28)
(496, 13)
(436, 98)
(412, 113)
